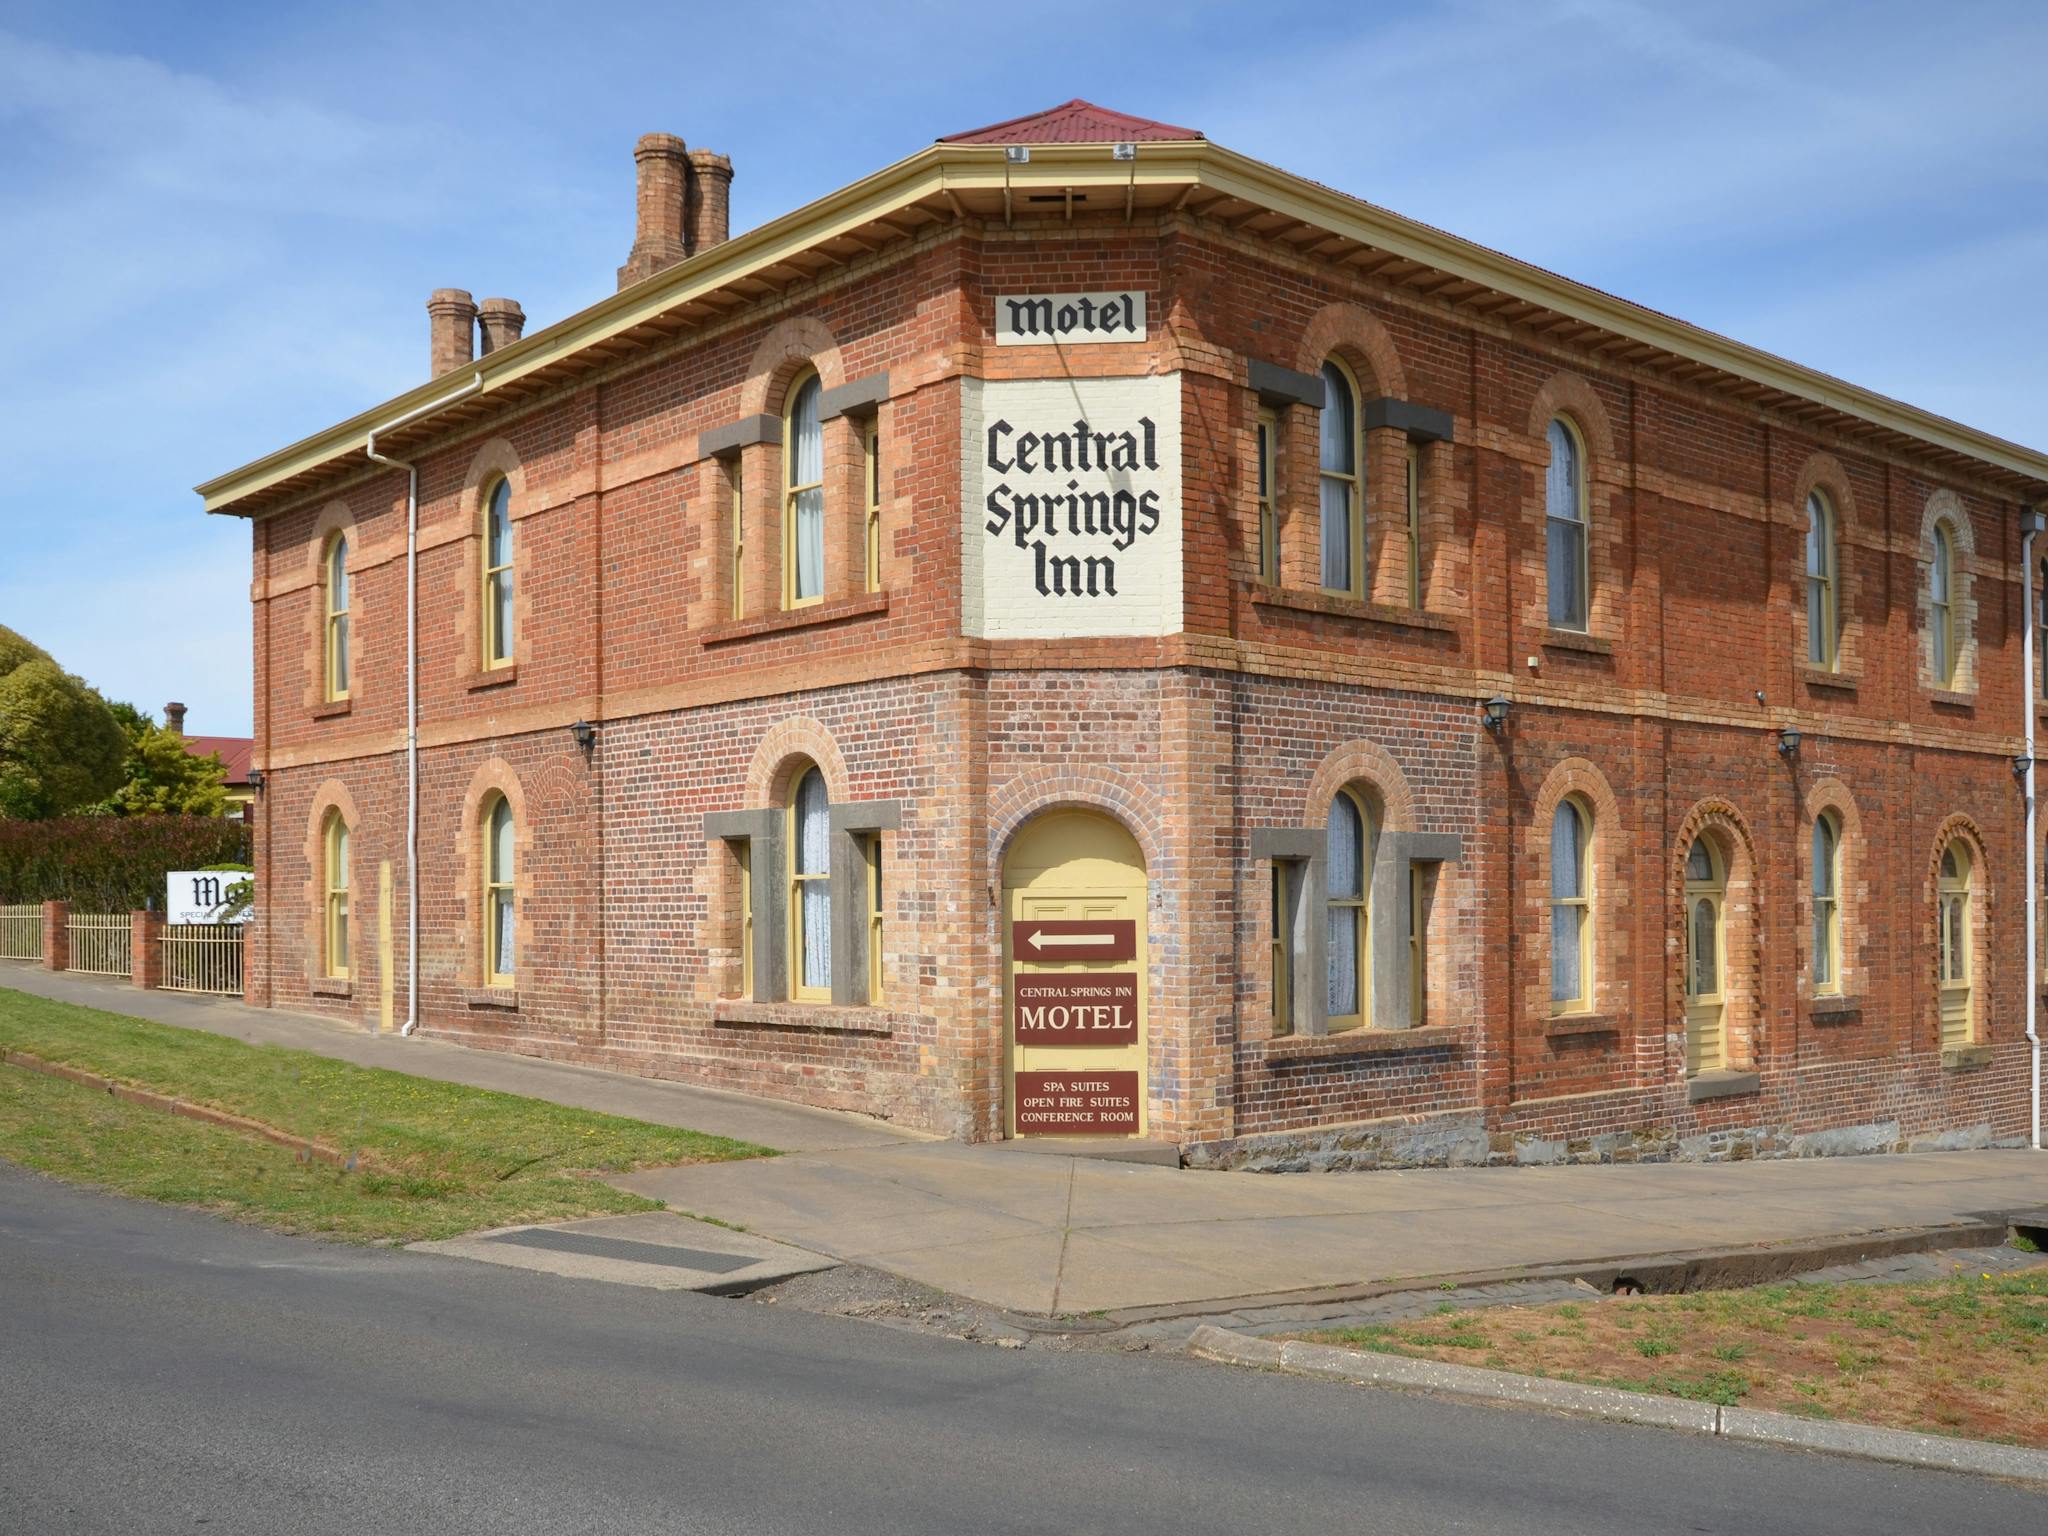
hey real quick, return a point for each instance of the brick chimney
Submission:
(660, 237)
(710, 199)
(451, 328)
(174, 717)
(502, 320)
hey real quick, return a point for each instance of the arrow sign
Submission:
(1110, 939)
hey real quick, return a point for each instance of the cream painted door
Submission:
(1079, 1023)
(1705, 962)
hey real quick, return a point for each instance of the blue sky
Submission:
(221, 222)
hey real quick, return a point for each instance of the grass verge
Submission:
(1962, 1356)
(439, 1159)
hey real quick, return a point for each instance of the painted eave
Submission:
(947, 171)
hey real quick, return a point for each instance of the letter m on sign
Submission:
(206, 891)
(1030, 317)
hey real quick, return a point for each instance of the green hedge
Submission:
(111, 863)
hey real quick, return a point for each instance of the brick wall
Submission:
(1663, 717)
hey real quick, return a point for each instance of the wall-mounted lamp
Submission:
(585, 734)
(2022, 766)
(1123, 151)
(1493, 714)
(1788, 741)
(1017, 154)
(256, 780)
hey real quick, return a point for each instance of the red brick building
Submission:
(1084, 631)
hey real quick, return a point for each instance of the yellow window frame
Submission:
(335, 630)
(798, 880)
(791, 491)
(1414, 525)
(1354, 483)
(498, 646)
(1360, 909)
(1265, 467)
(334, 904)
(871, 484)
(500, 892)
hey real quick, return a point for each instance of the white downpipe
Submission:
(412, 687)
(2031, 523)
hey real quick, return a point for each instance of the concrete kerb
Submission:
(1361, 1368)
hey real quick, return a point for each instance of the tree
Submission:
(60, 746)
(162, 778)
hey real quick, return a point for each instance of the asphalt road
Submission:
(164, 1371)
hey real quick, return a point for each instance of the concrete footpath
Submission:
(1049, 1234)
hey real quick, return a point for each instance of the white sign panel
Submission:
(202, 895)
(1069, 319)
(1070, 507)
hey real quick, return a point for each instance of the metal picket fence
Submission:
(203, 957)
(99, 943)
(21, 932)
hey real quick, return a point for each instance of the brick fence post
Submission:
(56, 935)
(145, 953)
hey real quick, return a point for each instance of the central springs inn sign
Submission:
(1071, 505)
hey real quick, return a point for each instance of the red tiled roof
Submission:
(235, 752)
(1073, 122)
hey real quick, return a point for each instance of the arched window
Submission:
(337, 617)
(1348, 870)
(1706, 894)
(1343, 515)
(501, 939)
(1955, 918)
(803, 497)
(334, 884)
(810, 887)
(1564, 507)
(1941, 598)
(1571, 908)
(1269, 513)
(1822, 627)
(2041, 626)
(1827, 904)
(499, 624)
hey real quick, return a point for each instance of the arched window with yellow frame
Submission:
(1941, 606)
(1341, 476)
(499, 594)
(1347, 870)
(1571, 907)
(1823, 623)
(803, 496)
(336, 626)
(501, 936)
(334, 854)
(1956, 921)
(1566, 519)
(809, 836)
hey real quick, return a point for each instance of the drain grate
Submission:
(593, 1246)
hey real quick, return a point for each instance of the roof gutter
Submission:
(412, 682)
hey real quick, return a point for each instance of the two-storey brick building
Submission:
(1082, 631)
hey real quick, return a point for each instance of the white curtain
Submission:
(1567, 886)
(1566, 531)
(814, 857)
(807, 467)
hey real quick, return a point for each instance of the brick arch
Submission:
(769, 775)
(494, 776)
(1823, 472)
(1946, 505)
(332, 796)
(1348, 331)
(1369, 764)
(1569, 395)
(1608, 864)
(336, 517)
(1743, 929)
(495, 459)
(1096, 787)
(790, 345)
(1851, 890)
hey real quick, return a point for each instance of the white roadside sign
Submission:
(202, 896)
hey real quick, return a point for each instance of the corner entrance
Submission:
(1074, 979)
